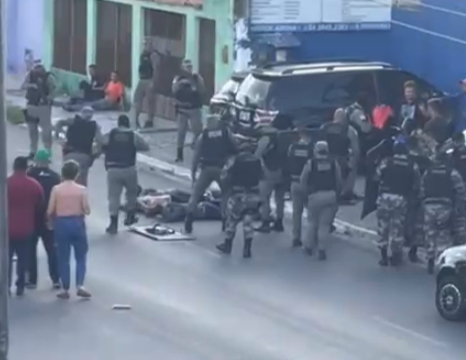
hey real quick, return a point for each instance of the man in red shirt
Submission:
(25, 201)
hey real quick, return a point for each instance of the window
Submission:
(70, 35)
(391, 85)
(207, 56)
(311, 90)
(114, 22)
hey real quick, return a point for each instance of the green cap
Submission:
(43, 155)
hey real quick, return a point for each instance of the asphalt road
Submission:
(190, 303)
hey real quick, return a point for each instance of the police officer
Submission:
(322, 180)
(121, 146)
(399, 181)
(39, 90)
(211, 152)
(442, 189)
(83, 141)
(343, 145)
(240, 177)
(273, 180)
(188, 90)
(148, 63)
(298, 155)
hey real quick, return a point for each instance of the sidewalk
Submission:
(163, 151)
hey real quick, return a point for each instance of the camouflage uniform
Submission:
(241, 206)
(391, 215)
(439, 218)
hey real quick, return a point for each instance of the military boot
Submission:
(396, 258)
(247, 248)
(322, 255)
(278, 225)
(297, 243)
(430, 266)
(112, 229)
(179, 155)
(188, 224)
(413, 254)
(225, 247)
(264, 228)
(384, 257)
(130, 218)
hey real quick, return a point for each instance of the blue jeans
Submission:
(70, 232)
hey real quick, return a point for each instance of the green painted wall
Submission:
(219, 10)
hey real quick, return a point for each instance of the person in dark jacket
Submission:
(412, 112)
(438, 126)
(47, 178)
(25, 201)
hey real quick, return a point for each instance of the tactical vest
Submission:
(336, 135)
(121, 149)
(146, 70)
(459, 161)
(80, 136)
(322, 176)
(300, 153)
(271, 156)
(437, 183)
(190, 97)
(246, 172)
(215, 147)
(38, 96)
(398, 176)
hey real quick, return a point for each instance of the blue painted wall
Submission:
(429, 40)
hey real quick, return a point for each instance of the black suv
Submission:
(450, 296)
(309, 93)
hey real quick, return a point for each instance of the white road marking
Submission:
(410, 332)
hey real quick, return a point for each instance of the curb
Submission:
(342, 227)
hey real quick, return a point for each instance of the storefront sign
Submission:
(192, 3)
(319, 15)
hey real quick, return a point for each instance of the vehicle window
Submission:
(229, 88)
(311, 90)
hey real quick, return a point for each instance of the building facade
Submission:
(112, 33)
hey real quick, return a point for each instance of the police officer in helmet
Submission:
(399, 183)
(298, 155)
(121, 147)
(321, 178)
(81, 136)
(240, 177)
(442, 190)
(211, 152)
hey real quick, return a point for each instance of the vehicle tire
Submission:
(450, 298)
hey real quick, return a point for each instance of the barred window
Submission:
(70, 35)
(114, 39)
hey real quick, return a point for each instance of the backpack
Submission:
(381, 115)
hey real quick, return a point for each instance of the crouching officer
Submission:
(399, 180)
(442, 189)
(212, 150)
(321, 178)
(298, 155)
(240, 177)
(81, 136)
(273, 180)
(121, 146)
